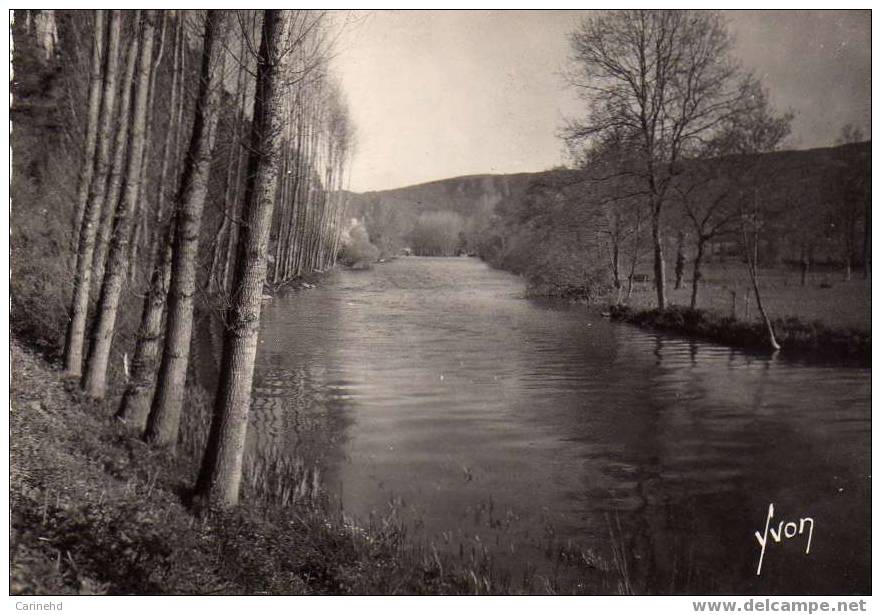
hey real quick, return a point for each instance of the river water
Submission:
(431, 391)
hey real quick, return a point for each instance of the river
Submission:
(433, 392)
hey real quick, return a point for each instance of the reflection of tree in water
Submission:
(667, 450)
(637, 531)
(682, 443)
(297, 421)
(297, 426)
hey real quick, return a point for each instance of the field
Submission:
(826, 297)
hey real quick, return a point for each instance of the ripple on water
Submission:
(436, 382)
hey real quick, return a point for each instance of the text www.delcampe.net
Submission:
(766, 605)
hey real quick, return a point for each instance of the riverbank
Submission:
(95, 511)
(825, 319)
(308, 281)
(726, 288)
(798, 339)
(301, 282)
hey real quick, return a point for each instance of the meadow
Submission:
(826, 296)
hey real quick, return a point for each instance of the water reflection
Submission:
(430, 387)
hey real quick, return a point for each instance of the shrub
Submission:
(357, 249)
(559, 272)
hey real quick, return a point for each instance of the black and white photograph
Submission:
(397, 302)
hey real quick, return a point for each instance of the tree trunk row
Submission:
(289, 190)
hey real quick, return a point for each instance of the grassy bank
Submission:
(827, 318)
(94, 510)
(797, 338)
(826, 296)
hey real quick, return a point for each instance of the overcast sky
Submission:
(437, 94)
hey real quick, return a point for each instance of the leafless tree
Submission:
(95, 377)
(707, 200)
(663, 78)
(164, 419)
(755, 129)
(138, 395)
(76, 329)
(91, 138)
(854, 196)
(282, 32)
(118, 160)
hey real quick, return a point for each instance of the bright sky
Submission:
(437, 94)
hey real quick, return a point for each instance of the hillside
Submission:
(474, 193)
(802, 184)
(463, 195)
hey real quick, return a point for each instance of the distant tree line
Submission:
(814, 213)
(437, 233)
(393, 229)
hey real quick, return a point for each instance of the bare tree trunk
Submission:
(138, 395)
(144, 231)
(294, 237)
(751, 252)
(281, 210)
(317, 224)
(849, 241)
(178, 144)
(867, 239)
(337, 221)
(136, 399)
(164, 419)
(658, 245)
(615, 256)
(772, 340)
(233, 208)
(215, 278)
(338, 231)
(696, 275)
(91, 140)
(217, 274)
(169, 154)
(327, 204)
(304, 197)
(634, 257)
(120, 148)
(290, 217)
(76, 330)
(220, 475)
(680, 260)
(804, 266)
(232, 238)
(138, 230)
(95, 379)
(46, 32)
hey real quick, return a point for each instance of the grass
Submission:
(94, 510)
(827, 297)
(797, 338)
(827, 319)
